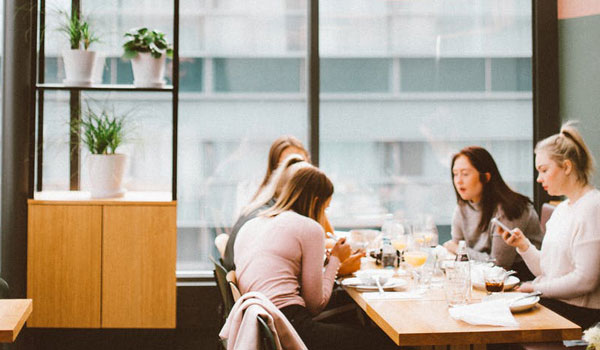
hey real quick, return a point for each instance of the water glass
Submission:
(456, 286)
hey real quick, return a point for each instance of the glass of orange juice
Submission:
(416, 258)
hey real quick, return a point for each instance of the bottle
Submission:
(463, 264)
(388, 254)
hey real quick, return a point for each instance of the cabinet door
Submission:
(63, 265)
(138, 266)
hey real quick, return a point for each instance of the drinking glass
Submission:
(494, 279)
(456, 285)
(416, 258)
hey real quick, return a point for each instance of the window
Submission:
(404, 85)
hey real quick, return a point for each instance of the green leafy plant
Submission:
(77, 29)
(101, 132)
(145, 40)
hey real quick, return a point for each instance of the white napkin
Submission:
(392, 295)
(493, 313)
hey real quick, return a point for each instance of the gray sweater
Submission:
(487, 244)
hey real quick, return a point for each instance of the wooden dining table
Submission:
(424, 322)
(13, 314)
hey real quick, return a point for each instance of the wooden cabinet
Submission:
(102, 263)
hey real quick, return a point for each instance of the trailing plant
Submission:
(77, 29)
(145, 40)
(101, 132)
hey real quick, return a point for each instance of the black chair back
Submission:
(225, 290)
(267, 340)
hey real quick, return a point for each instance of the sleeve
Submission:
(532, 259)
(502, 252)
(585, 253)
(456, 229)
(316, 283)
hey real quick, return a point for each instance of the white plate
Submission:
(518, 306)
(391, 284)
(509, 284)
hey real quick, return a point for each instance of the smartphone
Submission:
(495, 221)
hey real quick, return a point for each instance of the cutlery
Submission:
(378, 285)
(527, 296)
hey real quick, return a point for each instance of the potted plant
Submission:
(79, 61)
(147, 50)
(102, 133)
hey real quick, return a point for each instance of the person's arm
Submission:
(316, 284)
(529, 253)
(585, 253)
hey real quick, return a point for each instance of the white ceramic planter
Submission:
(98, 68)
(106, 175)
(148, 71)
(79, 67)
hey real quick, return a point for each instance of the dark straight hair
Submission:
(495, 192)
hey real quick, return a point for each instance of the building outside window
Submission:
(404, 85)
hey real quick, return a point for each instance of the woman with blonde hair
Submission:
(262, 201)
(568, 265)
(282, 257)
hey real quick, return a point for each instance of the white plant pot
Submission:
(148, 71)
(98, 68)
(79, 67)
(106, 175)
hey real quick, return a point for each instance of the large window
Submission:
(404, 84)
(427, 78)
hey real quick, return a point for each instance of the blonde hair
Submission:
(275, 184)
(569, 145)
(306, 193)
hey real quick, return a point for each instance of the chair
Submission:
(220, 274)
(267, 340)
(547, 210)
(221, 243)
(232, 281)
(4, 289)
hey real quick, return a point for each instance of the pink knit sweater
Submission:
(282, 257)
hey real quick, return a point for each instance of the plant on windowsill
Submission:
(80, 62)
(148, 50)
(102, 133)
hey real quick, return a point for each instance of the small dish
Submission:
(367, 277)
(391, 284)
(518, 305)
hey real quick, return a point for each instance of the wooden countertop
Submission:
(13, 314)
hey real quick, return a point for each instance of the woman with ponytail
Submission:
(568, 265)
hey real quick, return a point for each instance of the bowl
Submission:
(367, 277)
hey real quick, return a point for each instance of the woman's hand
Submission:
(341, 250)
(351, 264)
(451, 246)
(514, 238)
(526, 287)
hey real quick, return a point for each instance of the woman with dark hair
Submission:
(481, 195)
(282, 257)
(567, 268)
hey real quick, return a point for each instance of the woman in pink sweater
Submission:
(568, 265)
(280, 254)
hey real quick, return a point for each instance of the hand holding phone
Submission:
(497, 222)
